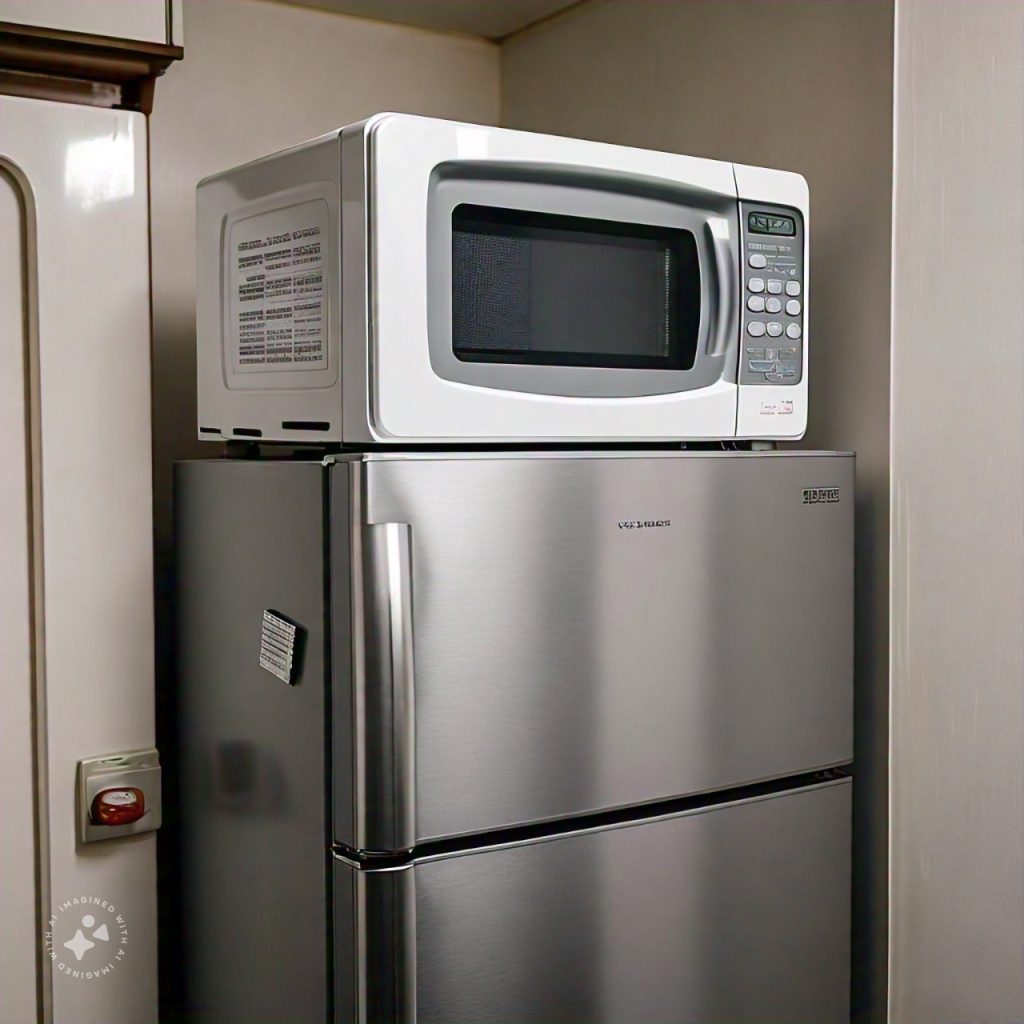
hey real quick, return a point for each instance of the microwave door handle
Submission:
(723, 286)
(390, 736)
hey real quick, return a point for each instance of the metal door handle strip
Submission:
(389, 816)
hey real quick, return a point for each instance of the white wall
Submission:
(799, 84)
(958, 514)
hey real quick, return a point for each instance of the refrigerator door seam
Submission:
(531, 835)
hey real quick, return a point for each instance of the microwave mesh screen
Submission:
(542, 288)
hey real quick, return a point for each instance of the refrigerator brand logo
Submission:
(643, 524)
(820, 495)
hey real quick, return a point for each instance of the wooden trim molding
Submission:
(81, 68)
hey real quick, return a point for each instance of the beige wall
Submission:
(800, 84)
(258, 77)
(958, 525)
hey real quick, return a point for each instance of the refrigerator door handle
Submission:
(388, 814)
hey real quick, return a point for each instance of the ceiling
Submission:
(492, 19)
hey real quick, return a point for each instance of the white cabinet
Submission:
(150, 21)
(74, 307)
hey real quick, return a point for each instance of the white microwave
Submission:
(412, 281)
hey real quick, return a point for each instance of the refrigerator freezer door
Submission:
(586, 633)
(733, 915)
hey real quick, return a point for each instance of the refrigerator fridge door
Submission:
(531, 637)
(737, 914)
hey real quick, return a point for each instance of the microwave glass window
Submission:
(540, 288)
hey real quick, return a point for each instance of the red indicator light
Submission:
(118, 806)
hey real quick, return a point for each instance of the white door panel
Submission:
(145, 20)
(83, 170)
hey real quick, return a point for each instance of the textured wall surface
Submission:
(958, 525)
(804, 85)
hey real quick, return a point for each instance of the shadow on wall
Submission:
(174, 407)
(257, 77)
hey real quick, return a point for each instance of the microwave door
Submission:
(567, 295)
(564, 635)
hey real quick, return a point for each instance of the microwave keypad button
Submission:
(773, 308)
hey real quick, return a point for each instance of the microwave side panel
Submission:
(355, 283)
(268, 302)
(775, 411)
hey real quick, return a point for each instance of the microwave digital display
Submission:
(549, 289)
(771, 224)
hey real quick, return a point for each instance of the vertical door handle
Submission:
(390, 707)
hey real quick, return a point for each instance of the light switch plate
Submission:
(134, 769)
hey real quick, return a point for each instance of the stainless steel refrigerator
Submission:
(508, 737)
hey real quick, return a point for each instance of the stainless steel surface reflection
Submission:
(736, 914)
(595, 633)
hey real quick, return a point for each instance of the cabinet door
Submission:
(142, 20)
(78, 176)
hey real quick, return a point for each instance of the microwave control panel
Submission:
(772, 324)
